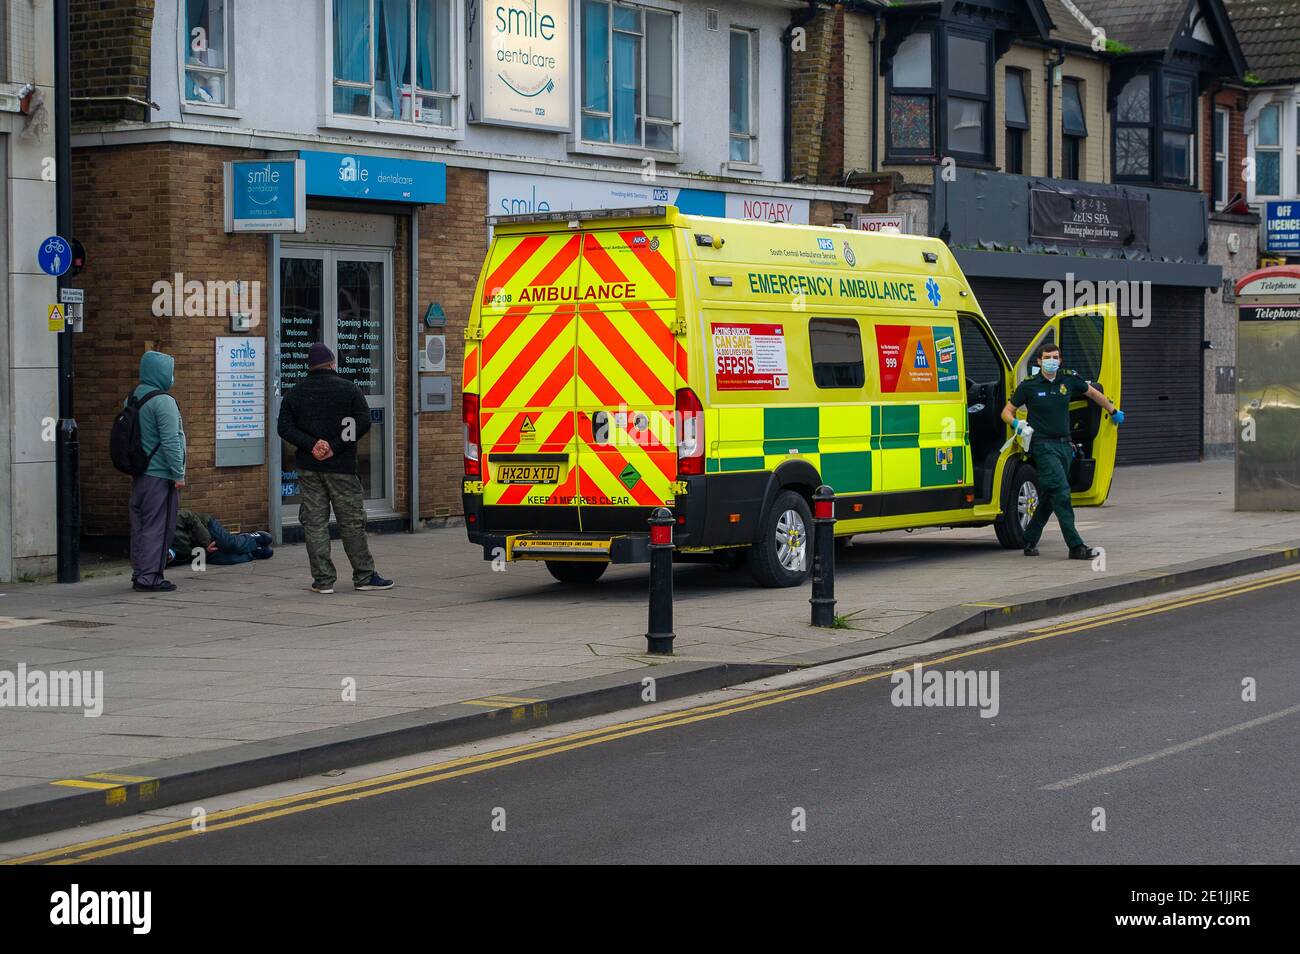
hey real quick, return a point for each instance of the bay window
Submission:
(1268, 151)
(940, 96)
(628, 75)
(206, 50)
(377, 46)
(1155, 129)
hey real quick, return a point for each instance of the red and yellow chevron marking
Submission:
(529, 364)
(548, 431)
(613, 260)
(520, 264)
(628, 469)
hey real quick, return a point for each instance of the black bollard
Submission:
(823, 570)
(659, 636)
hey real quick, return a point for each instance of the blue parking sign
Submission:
(54, 255)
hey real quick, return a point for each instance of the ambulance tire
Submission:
(567, 571)
(1008, 527)
(765, 555)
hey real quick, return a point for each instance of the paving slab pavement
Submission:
(247, 654)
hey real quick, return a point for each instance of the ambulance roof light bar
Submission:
(583, 215)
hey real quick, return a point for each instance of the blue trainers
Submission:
(376, 582)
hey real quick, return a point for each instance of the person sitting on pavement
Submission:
(221, 547)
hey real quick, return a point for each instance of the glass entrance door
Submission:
(342, 297)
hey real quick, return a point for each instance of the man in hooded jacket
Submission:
(155, 494)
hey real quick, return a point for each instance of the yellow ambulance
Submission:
(617, 361)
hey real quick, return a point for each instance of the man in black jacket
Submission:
(324, 415)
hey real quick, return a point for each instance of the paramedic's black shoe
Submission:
(1084, 553)
(1031, 551)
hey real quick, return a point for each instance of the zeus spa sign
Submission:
(520, 63)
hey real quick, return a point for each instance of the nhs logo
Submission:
(662, 195)
(826, 245)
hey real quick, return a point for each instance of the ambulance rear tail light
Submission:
(469, 418)
(690, 433)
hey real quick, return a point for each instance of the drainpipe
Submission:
(1052, 67)
(875, 94)
(786, 78)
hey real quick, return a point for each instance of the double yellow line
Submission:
(474, 764)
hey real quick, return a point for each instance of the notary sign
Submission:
(1100, 217)
(266, 195)
(520, 63)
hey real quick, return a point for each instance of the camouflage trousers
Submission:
(318, 492)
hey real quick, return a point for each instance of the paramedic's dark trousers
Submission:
(153, 520)
(1053, 462)
(317, 493)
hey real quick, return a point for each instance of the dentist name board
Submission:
(520, 63)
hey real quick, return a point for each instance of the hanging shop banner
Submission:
(1098, 217)
(241, 401)
(511, 193)
(520, 63)
(916, 358)
(749, 357)
(266, 195)
(1282, 228)
(347, 175)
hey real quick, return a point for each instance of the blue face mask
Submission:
(1051, 365)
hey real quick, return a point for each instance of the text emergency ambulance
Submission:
(619, 361)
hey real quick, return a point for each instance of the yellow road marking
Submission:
(114, 777)
(83, 783)
(486, 703)
(470, 765)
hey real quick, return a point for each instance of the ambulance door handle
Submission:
(600, 427)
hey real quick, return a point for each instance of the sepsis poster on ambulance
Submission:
(749, 357)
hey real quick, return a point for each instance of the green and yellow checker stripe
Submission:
(855, 448)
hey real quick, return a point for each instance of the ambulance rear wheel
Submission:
(783, 554)
(1021, 498)
(568, 572)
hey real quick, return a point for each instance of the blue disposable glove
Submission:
(1117, 417)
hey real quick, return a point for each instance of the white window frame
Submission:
(182, 48)
(398, 127)
(576, 143)
(1222, 125)
(1256, 148)
(753, 166)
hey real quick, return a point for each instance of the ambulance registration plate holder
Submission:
(528, 473)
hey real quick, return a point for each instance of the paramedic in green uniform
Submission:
(1048, 393)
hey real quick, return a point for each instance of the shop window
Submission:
(1016, 120)
(1133, 121)
(375, 45)
(1074, 129)
(836, 345)
(956, 104)
(1268, 151)
(206, 51)
(629, 66)
(743, 106)
(1219, 134)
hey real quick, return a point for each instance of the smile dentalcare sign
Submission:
(520, 63)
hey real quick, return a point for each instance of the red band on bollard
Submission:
(661, 535)
(823, 509)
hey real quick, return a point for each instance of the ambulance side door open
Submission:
(1089, 341)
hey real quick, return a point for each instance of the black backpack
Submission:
(124, 444)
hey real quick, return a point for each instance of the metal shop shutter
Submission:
(1162, 363)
